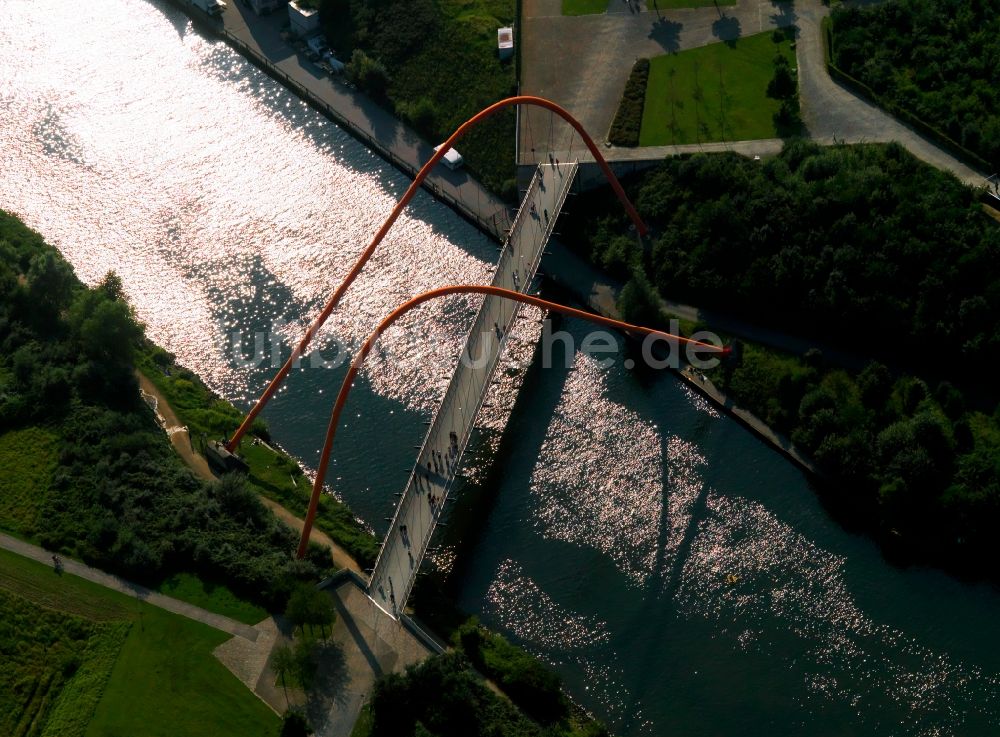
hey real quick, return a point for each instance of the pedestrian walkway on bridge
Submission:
(437, 464)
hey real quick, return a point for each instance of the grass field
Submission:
(164, 680)
(27, 458)
(54, 669)
(713, 93)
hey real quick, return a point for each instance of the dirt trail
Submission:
(177, 433)
(181, 441)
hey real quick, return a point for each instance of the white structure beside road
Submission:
(452, 158)
(505, 42)
(304, 21)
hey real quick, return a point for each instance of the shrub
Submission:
(369, 74)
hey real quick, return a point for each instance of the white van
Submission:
(452, 158)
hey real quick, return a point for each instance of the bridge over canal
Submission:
(439, 459)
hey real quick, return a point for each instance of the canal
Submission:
(681, 576)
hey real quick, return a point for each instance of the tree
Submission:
(367, 73)
(782, 84)
(283, 665)
(309, 606)
(294, 724)
(297, 610)
(51, 285)
(787, 120)
(305, 663)
(638, 301)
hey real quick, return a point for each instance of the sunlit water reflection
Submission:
(681, 576)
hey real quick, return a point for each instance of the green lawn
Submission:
(583, 7)
(165, 680)
(55, 666)
(213, 597)
(27, 458)
(713, 93)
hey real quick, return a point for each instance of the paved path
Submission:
(582, 62)
(427, 489)
(832, 112)
(216, 621)
(365, 644)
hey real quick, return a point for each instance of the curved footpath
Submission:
(833, 113)
(179, 438)
(95, 575)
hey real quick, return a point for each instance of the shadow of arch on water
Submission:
(177, 19)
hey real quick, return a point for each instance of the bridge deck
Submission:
(439, 458)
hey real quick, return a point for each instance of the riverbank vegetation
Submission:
(105, 485)
(435, 64)
(444, 697)
(83, 661)
(722, 92)
(272, 473)
(935, 59)
(860, 247)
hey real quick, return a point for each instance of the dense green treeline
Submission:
(938, 59)
(105, 484)
(839, 242)
(435, 64)
(836, 243)
(911, 451)
(444, 697)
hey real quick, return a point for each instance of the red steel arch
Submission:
(398, 209)
(348, 382)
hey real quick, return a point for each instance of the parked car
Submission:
(316, 47)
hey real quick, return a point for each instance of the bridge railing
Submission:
(469, 385)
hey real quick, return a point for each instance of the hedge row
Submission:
(628, 119)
